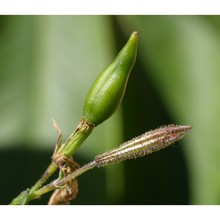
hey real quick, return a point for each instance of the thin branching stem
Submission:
(62, 182)
(137, 147)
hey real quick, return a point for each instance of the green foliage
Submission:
(183, 56)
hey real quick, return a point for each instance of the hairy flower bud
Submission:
(144, 144)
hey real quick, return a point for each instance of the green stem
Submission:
(82, 131)
(142, 145)
(55, 184)
(76, 139)
(50, 170)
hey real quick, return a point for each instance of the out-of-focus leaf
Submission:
(183, 56)
(48, 64)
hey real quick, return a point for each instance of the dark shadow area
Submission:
(160, 178)
(20, 169)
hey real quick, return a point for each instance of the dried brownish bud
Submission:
(144, 144)
(147, 143)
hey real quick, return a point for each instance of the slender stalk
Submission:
(75, 140)
(60, 183)
(50, 170)
(140, 146)
(82, 131)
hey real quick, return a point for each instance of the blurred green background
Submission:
(47, 64)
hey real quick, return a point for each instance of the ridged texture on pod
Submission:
(147, 143)
(108, 89)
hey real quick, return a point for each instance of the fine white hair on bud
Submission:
(144, 144)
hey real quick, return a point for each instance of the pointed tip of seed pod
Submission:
(174, 133)
(176, 128)
(188, 127)
(134, 35)
(185, 128)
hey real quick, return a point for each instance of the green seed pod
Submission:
(108, 89)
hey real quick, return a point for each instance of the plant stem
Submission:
(137, 147)
(56, 184)
(50, 170)
(72, 144)
(82, 131)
